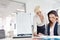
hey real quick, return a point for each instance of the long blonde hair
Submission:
(37, 9)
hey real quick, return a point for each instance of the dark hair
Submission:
(52, 12)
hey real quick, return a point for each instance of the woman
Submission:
(53, 27)
(38, 20)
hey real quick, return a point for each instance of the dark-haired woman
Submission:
(53, 26)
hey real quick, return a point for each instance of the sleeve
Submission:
(35, 24)
(58, 30)
(46, 29)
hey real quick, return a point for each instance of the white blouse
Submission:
(52, 30)
(37, 21)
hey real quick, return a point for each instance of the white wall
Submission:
(1, 24)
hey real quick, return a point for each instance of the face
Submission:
(38, 13)
(52, 18)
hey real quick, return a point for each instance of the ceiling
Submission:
(10, 6)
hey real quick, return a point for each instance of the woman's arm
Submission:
(35, 26)
(58, 30)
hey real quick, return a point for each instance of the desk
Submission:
(31, 39)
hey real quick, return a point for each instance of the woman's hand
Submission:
(41, 17)
(40, 35)
(35, 34)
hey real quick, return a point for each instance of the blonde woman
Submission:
(38, 21)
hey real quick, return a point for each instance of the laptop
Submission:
(23, 36)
